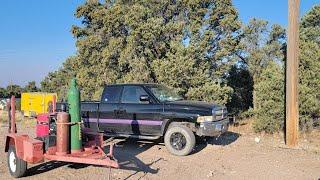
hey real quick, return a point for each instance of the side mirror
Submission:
(144, 98)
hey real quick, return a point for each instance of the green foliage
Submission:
(247, 114)
(309, 27)
(3, 93)
(30, 87)
(241, 82)
(262, 51)
(212, 92)
(261, 54)
(197, 47)
(309, 65)
(260, 45)
(58, 81)
(187, 45)
(14, 90)
(270, 95)
(270, 92)
(309, 84)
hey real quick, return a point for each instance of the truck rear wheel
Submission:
(17, 167)
(179, 140)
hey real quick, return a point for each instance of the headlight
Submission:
(201, 119)
(214, 113)
(221, 113)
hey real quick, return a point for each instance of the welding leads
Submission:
(62, 133)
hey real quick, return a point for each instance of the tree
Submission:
(30, 87)
(3, 93)
(309, 65)
(270, 96)
(240, 80)
(309, 26)
(270, 91)
(309, 84)
(188, 45)
(14, 90)
(260, 46)
(58, 81)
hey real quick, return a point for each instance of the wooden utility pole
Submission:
(292, 105)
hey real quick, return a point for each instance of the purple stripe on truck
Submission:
(127, 121)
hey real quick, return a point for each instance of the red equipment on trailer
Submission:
(52, 143)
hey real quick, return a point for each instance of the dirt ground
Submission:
(239, 154)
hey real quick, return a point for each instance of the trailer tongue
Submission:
(53, 140)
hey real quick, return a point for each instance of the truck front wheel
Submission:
(17, 167)
(179, 140)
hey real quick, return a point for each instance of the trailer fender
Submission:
(16, 141)
(9, 142)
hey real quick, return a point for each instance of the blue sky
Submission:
(35, 35)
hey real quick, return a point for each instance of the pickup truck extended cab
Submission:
(151, 111)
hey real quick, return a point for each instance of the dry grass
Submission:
(242, 127)
(25, 121)
(311, 140)
(308, 141)
(3, 116)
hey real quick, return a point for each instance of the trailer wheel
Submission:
(179, 140)
(17, 167)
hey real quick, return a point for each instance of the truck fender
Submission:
(165, 125)
(169, 122)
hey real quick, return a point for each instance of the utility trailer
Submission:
(52, 141)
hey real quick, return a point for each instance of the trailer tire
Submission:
(17, 167)
(179, 140)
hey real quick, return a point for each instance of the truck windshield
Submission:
(164, 93)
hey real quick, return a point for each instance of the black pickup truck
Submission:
(151, 111)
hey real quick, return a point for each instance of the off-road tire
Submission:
(20, 165)
(186, 133)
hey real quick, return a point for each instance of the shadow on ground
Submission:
(126, 151)
(50, 165)
(223, 140)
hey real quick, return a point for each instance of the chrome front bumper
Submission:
(214, 128)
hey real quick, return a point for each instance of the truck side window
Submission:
(131, 94)
(111, 94)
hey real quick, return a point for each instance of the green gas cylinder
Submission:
(74, 111)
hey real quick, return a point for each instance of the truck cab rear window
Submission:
(111, 94)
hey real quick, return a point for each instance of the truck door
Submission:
(137, 117)
(108, 109)
(89, 114)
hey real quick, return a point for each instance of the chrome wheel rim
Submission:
(178, 141)
(12, 162)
